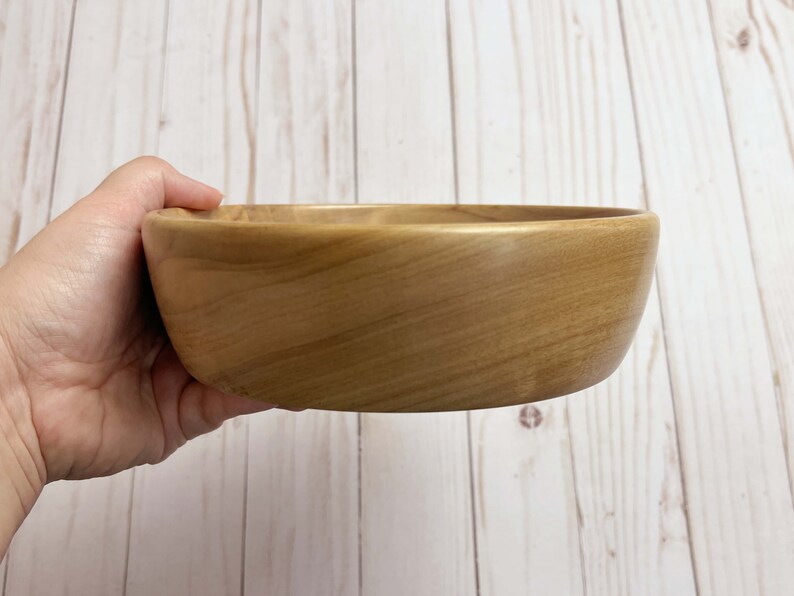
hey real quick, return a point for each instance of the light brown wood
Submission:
(571, 496)
(544, 114)
(401, 308)
(304, 154)
(416, 527)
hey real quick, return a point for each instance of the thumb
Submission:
(153, 183)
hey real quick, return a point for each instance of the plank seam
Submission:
(641, 155)
(166, 24)
(252, 128)
(360, 549)
(453, 111)
(5, 570)
(250, 198)
(475, 543)
(52, 182)
(129, 533)
(354, 80)
(60, 115)
(781, 406)
(245, 508)
(162, 72)
(456, 190)
(359, 416)
(579, 522)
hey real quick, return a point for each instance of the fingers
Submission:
(203, 409)
(187, 408)
(153, 183)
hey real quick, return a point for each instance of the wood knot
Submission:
(743, 39)
(530, 416)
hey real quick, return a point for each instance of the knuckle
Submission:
(150, 163)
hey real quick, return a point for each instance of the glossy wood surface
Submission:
(667, 479)
(401, 308)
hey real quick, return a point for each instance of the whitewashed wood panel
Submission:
(3, 27)
(527, 525)
(404, 143)
(739, 503)
(755, 43)
(111, 114)
(544, 116)
(302, 507)
(34, 43)
(301, 534)
(630, 497)
(187, 513)
(416, 523)
(305, 124)
(416, 526)
(75, 539)
(35, 54)
(24, 52)
(114, 93)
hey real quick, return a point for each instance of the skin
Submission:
(89, 384)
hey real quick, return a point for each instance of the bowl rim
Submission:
(587, 214)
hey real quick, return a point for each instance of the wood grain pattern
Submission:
(305, 124)
(540, 111)
(307, 463)
(527, 539)
(20, 68)
(527, 77)
(525, 502)
(204, 131)
(3, 27)
(400, 308)
(416, 533)
(100, 131)
(404, 145)
(739, 503)
(114, 93)
(34, 47)
(35, 54)
(630, 497)
(75, 539)
(302, 514)
(755, 43)
(404, 149)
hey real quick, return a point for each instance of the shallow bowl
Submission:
(401, 308)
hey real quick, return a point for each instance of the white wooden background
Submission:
(673, 477)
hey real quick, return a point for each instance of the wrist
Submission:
(22, 470)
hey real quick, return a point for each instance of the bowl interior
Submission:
(395, 214)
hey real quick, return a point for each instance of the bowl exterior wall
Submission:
(402, 318)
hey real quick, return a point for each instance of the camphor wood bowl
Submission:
(401, 308)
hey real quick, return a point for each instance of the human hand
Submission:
(89, 384)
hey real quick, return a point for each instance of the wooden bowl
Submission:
(401, 308)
